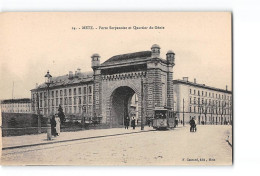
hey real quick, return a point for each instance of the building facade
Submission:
(22, 105)
(73, 92)
(208, 105)
(123, 85)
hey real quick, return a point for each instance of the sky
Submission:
(32, 43)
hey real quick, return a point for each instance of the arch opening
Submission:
(124, 103)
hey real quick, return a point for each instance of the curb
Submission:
(70, 140)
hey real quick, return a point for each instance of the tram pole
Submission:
(142, 104)
(183, 112)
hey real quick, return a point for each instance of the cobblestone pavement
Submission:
(207, 146)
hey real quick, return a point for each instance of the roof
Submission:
(20, 100)
(170, 52)
(200, 86)
(140, 56)
(81, 77)
(130, 57)
(155, 46)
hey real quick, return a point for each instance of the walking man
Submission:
(133, 123)
(127, 122)
(57, 120)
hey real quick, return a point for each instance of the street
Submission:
(207, 146)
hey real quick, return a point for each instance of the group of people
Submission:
(55, 125)
(127, 122)
(193, 125)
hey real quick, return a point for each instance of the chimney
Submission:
(70, 74)
(186, 79)
(195, 80)
(78, 70)
(226, 88)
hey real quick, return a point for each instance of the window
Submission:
(90, 99)
(60, 92)
(198, 92)
(79, 90)
(65, 92)
(85, 100)
(52, 94)
(65, 101)
(206, 93)
(57, 93)
(69, 92)
(57, 101)
(194, 92)
(61, 101)
(75, 100)
(194, 100)
(75, 91)
(190, 109)
(79, 100)
(198, 100)
(194, 108)
(202, 93)
(89, 89)
(209, 94)
(190, 100)
(85, 90)
(70, 101)
(190, 91)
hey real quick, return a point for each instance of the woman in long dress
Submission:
(57, 119)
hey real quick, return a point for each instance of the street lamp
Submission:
(48, 80)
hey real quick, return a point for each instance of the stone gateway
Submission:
(127, 85)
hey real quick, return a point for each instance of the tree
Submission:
(223, 107)
(205, 111)
(61, 114)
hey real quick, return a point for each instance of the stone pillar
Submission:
(97, 96)
(95, 62)
(170, 57)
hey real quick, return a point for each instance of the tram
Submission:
(163, 118)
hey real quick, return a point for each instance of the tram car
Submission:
(163, 118)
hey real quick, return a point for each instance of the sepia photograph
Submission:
(116, 88)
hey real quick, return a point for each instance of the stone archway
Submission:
(120, 104)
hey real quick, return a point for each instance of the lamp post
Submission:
(48, 80)
(38, 112)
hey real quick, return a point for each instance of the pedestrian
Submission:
(192, 124)
(133, 123)
(127, 122)
(57, 120)
(175, 122)
(53, 125)
(149, 121)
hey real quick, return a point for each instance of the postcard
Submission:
(116, 88)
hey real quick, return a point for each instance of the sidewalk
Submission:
(41, 139)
